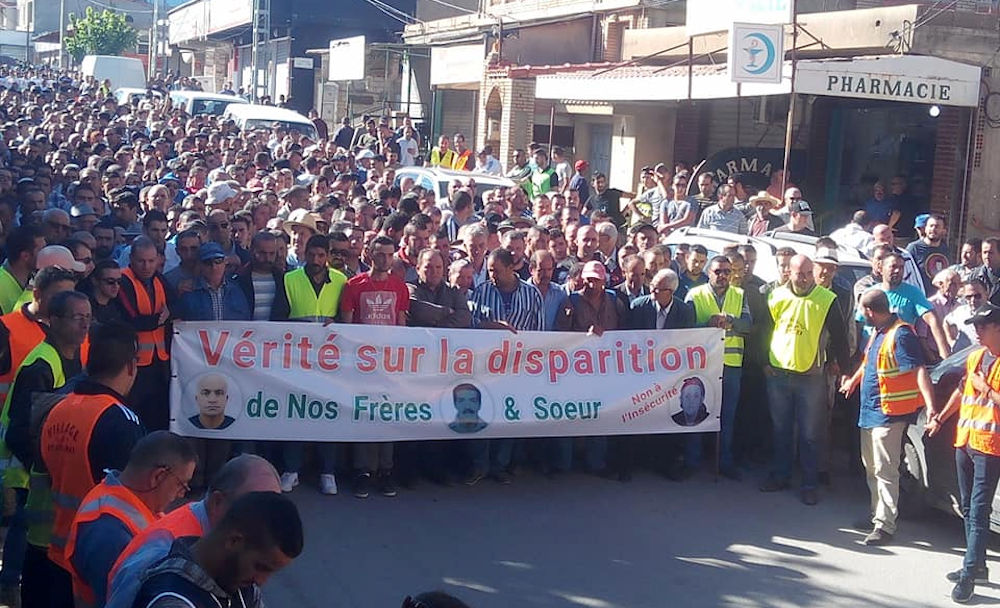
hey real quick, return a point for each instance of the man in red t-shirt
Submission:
(375, 298)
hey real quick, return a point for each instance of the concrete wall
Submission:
(517, 100)
(644, 137)
(982, 211)
(552, 44)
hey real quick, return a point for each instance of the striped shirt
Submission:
(525, 310)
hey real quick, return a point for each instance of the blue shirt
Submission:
(909, 356)
(906, 301)
(552, 303)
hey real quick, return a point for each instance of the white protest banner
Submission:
(303, 381)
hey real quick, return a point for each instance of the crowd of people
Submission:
(117, 220)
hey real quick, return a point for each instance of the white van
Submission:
(123, 72)
(253, 116)
(199, 102)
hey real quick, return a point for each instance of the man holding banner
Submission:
(593, 310)
(313, 293)
(503, 302)
(376, 297)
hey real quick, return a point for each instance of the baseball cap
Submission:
(211, 251)
(800, 207)
(987, 313)
(580, 165)
(366, 153)
(921, 220)
(594, 270)
(826, 255)
(60, 257)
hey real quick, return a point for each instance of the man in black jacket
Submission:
(262, 281)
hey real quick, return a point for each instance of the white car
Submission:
(852, 265)
(254, 116)
(806, 245)
(127, 95)
(434, 178)
(199, 102)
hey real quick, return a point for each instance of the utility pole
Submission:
(260, 49)
(154, 39)
(62, 34)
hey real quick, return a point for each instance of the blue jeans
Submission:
(978, 474)
(294, 453)
(595, 453)
(16, 543)
(797, 398)
(730, 400)
(490, 456)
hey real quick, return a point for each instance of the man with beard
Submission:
(261, 280)
(908, 302)
(259, 535)
(314, 295)
(930, 252)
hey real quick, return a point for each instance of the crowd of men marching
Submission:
(118, 220)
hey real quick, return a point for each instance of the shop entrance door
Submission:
(874, 142)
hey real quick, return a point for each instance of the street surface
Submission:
(580, 541)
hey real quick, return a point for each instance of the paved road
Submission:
(585, 542)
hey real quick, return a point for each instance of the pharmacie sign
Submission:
(909, 78)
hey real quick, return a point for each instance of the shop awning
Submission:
(907, 78)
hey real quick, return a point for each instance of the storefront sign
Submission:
(347, 59)
(226, 14)
(755, 165)
(188, 22)
(757, 52)
(704, 16)
(304, 382)
(457, 64)
(910, 78)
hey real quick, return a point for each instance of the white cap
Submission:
(58, 256)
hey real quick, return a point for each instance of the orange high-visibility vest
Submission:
(65, 447)
(898, 391)
(155, 341)
(25, 335)
(104, 499)
(979, 418)
(180, 522)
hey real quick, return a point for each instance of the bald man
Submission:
(239, 476)
(805, 318)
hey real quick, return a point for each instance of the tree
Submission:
(99, 33)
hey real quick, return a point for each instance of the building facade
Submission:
(213, 40)
(621, 84)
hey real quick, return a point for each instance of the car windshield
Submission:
(481, 189)
(267, 124)
(209, 106)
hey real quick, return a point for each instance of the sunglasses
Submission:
(214, 261)
(110, 282)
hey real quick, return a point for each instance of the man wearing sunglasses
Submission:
(971, 295)
(215, 297)
(720, 304)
